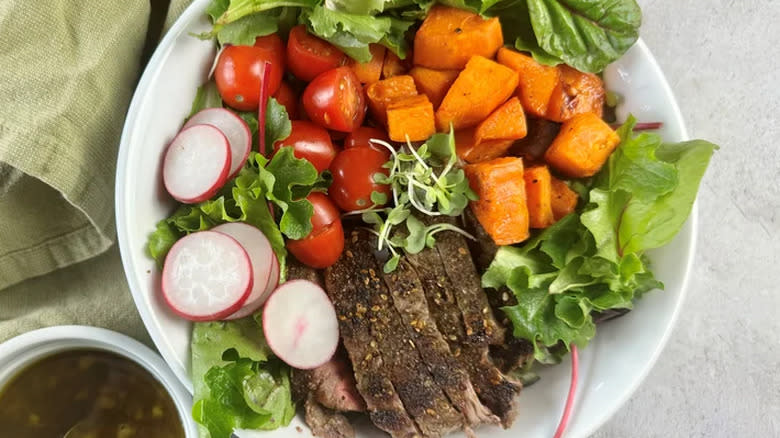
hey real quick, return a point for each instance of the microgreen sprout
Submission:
(417, 189)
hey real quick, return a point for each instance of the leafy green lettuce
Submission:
(237, 382)
(596, 262)
(586, 34)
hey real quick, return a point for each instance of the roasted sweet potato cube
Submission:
(412, 118)
(449, 37)
(538, 189)
(564, 199)
(537, 81)
(394, 66)
(502, 206)
(479, 89)
(433, 83)
(576, 93)
(507, 122)
(583, 145)
(470, 151)
(382, 93)
(371, 71)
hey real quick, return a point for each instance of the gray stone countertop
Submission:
(719, 376)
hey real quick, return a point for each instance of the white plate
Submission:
(612, 366)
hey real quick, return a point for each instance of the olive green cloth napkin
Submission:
(67, 73)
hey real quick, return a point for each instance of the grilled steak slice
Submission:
(494, 390)
(481, 325)
(448, 373)
(298, 271)
(421, 396)
(344, 283)
(483, 250)
(325, 423)
(332, 385)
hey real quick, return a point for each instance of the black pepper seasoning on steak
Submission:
(494, 389)
(421, 396)
(351, 295)
(411, 304)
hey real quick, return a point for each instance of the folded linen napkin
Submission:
(67, 73)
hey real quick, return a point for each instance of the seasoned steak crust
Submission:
(351, 299)
(445, 302)
(421, 395)
(412, 307)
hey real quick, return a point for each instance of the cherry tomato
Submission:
(324, 245)
(360, 138)
(325, 211)
(287, 97)
(311, 143)
(239, 69)
(309, 56)
(353, 178)
(335, 100)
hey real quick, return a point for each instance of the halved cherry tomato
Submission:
(287, 97)
(311, 143)
(324, 245)
(335, 100)
(353, 178)
(360, 138)
(308, 56)
(239, 68)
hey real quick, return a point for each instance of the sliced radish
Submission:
(206, 276)
(235, 129)
(300, 324)
(196, 164)
(263, 261)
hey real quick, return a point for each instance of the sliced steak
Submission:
(351, 296)
(410, 303)
(495, 391)
(332, 385)
(481, 325)
(298, 271)
(326, 423)
(483, 250)
(421, 395)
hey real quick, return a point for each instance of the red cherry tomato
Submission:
(353, 178)
(287, 97)
(324, 245)
(309, 56)
(335, 100)
(360, 138)
(325, 211)
(311, 143)
(239, 68)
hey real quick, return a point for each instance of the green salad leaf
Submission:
(585, 34)
(207, 96)
(596, 261)
(237, 382)
(353, 33)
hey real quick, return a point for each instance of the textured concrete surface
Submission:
(720, 374)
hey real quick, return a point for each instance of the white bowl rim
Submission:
(165, 45)
(75, 337)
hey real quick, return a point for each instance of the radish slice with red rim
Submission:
(206, 276)
(300, 325)
(235, 129)
(263, 260)
(196, 164)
